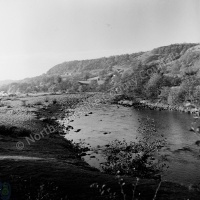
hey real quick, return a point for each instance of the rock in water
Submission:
(77, 130)
(197, 142)
(82, 154)
(192, 129)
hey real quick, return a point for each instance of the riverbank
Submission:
(45, 158)
(146, 104)
(50, 166)
(139, 103)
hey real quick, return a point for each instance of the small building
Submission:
(84, 82)
(88, 81)
(94, 78)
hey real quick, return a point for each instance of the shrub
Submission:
(176, 95)
(139, 158)
(54, 101)
(46, 99)
(2, 104)
(38, 103)
(109, 193)
(23, 102)
(164, 94)
(14, 131)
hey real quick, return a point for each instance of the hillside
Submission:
(94, 65)
(175, 61)
(125, 61)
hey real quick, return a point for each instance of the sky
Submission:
(35, 35)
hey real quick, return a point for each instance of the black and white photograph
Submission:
(99, 99)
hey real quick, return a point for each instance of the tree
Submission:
(197, 95)
(80, 88)
(153, 86)
(86, 75)
(58, 79)
(110, 69)
(28, 89)
(93, 85)
(53, 88)
(170, 81)
(64, 85)
(83, 88)
(102, 73)
(164, 94)
(75, 86)
(189, 84)
(177, 95)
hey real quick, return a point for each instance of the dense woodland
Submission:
(168, 74)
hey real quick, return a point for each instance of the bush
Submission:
(23, 102)
(153, 86)
(139, 158)
(164, 94)
(2, 104)
(38, 103)
(46, 99)
(14, 131)
(177, 95)
(108, 193)
(54, 101)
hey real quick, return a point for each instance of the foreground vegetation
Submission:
(138, 158)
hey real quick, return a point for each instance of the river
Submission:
(109, 122)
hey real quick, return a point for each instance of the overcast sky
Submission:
(35, 35)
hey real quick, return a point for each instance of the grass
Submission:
(121, 194)
(14, 131)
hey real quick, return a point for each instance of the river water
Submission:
(110, 122)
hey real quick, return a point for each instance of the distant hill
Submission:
(4, 82)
